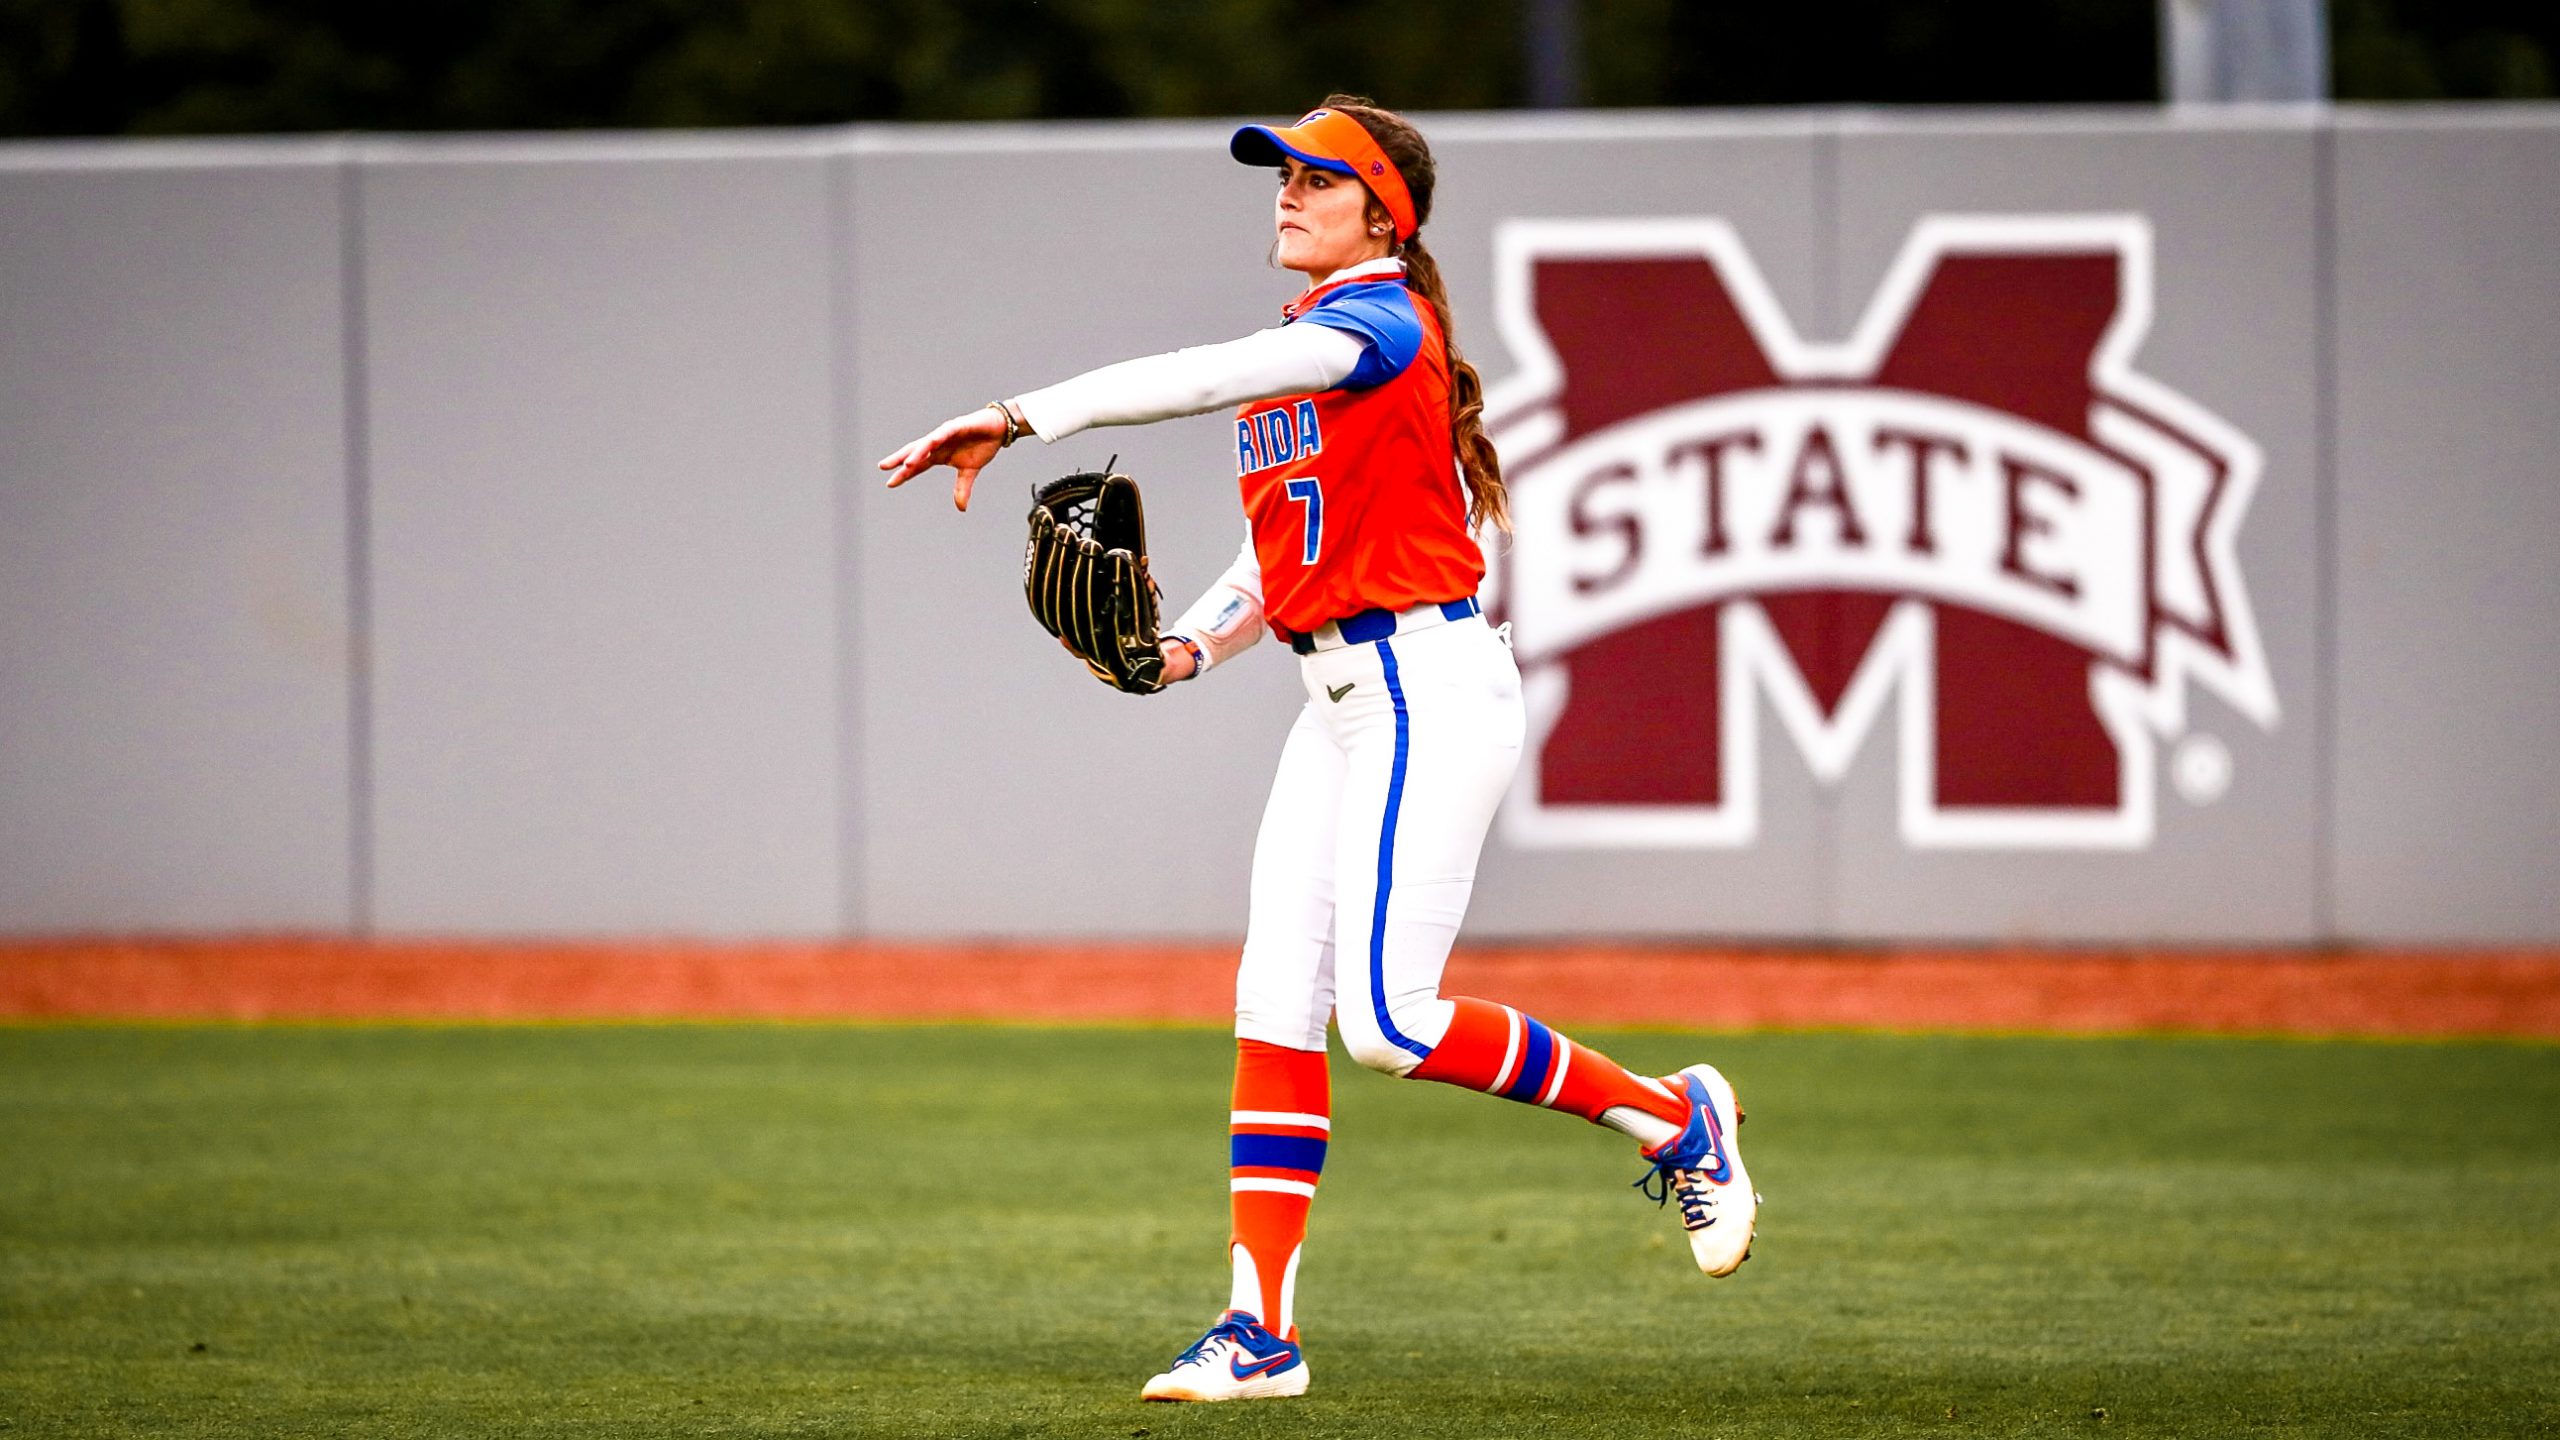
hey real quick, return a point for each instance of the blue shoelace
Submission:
(1655, 1183)
(1661, 1183)
(1231, 1329)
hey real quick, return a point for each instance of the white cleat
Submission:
(1701, 1167)
(1237, 1360)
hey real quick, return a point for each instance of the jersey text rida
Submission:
(1277, 436)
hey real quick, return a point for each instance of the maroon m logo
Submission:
(1972, 512)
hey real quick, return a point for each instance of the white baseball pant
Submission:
(1367, 852)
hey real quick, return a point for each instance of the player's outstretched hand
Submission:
(964, 442)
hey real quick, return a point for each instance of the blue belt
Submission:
(1371, 625)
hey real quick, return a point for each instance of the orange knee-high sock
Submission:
(1500, 1051)
(1276, 1138)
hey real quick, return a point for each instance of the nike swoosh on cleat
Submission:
(1265, 1365)
(1723, 1171)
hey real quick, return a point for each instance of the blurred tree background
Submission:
(107, 67)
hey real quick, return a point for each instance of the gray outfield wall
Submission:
(478, 535)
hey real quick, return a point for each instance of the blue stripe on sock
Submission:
(1532, 1079)
(1278, 1152)
(1387, 864)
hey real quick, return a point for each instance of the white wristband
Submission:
(1200, 660)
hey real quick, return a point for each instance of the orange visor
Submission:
(1331, 140)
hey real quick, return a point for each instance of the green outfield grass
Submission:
(823, 1230)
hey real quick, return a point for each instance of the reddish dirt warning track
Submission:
(2510, 993)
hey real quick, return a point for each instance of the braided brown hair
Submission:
(1488, 500)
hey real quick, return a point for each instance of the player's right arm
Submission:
(1285, 360)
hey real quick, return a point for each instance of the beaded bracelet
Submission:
(1013, 427)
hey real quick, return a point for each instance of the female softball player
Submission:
(1364, 468)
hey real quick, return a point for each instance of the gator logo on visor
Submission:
(1972, 519)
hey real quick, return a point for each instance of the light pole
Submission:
(1551, 34)
(2216, 51)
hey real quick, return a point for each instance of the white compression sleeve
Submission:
(1227, 619)
(1286, 360)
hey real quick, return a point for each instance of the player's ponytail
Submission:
(1488, 501)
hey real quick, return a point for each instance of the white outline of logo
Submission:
(2131, 414)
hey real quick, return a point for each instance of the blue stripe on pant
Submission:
(1387, 862)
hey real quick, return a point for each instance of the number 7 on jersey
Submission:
(1309, 492)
